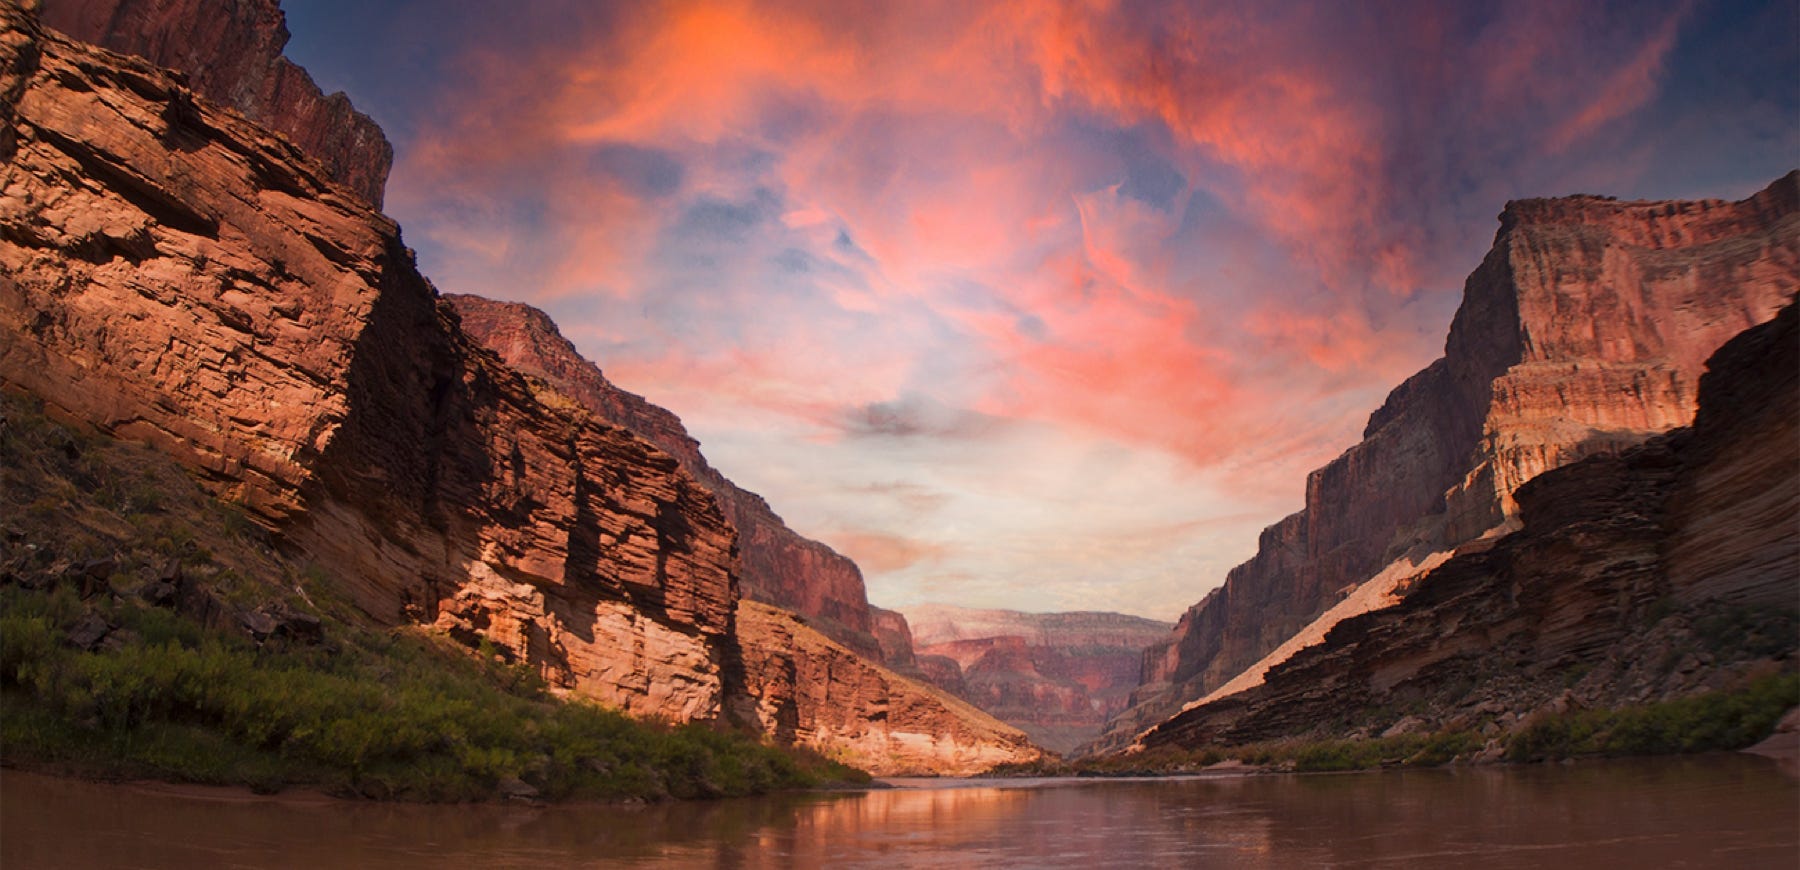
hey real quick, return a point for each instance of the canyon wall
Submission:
(230, 53)
(1582, 332)
(172, 273)
(809, 690)
(779, 566)
(1057, 676)
(1670, 568)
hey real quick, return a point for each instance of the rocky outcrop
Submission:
(230, 52)
(1057, 676)
(1667, 569)
(1582, 333)
(809, 690)
(174, 274)
(894, 636)
(779, 566)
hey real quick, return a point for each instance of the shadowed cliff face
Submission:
(172, 273)
(1667, 569)
(230, 51)
(1583, 332)
(779, 566)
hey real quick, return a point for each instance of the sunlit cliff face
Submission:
(1033, 305)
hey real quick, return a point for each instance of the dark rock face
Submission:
(1669, 568)
(230, 51)
(1583, 332)
(174, 274)
(779, 566)
(1057, 676)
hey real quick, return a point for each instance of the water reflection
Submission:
(1728, 810)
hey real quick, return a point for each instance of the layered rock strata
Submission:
(230, 53)
(894, 637)
(1582, 332)
(780, 566)
(174, 274)
(809, 690)
(1667, 569)
(1057, 676)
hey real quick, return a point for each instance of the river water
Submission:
(1707, 811)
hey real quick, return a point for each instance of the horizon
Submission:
(1019, 307)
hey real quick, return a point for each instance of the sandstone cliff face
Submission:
(779, 566)
(1057, 676)
(894, 636)
(172, 273)
(1582, 332)
(1653, 573)
(812, 691)
(230, 51)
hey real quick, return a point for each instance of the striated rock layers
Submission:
(1670, 568)
(174, 274)
(812, 691)
(1582, 332)
(1057, 676)
(779, 566)
(230, 51)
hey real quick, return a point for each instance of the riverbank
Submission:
(1735, 718)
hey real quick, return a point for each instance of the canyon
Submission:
(1660, 571)
(1057, 676)
(1587, 501)
(174, 272)
(1583, 332)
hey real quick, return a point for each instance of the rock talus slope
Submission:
(1657, 572)
(812, 691)
(230, 51)
(172, 273)
(780, 567)
(1582, 332)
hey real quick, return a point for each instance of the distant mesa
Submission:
(1057, 676)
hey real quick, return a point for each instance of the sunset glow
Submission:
(1046, 306)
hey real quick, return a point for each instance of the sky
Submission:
(1042, 306)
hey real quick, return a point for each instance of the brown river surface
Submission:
(1708, 811)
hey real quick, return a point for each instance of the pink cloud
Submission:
(949, 215)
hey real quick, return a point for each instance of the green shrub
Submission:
(1727, 719)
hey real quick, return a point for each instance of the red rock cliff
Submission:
(779, 566)
(1670, 568)
(230, 51)
(1582, 332)
(172, 273)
